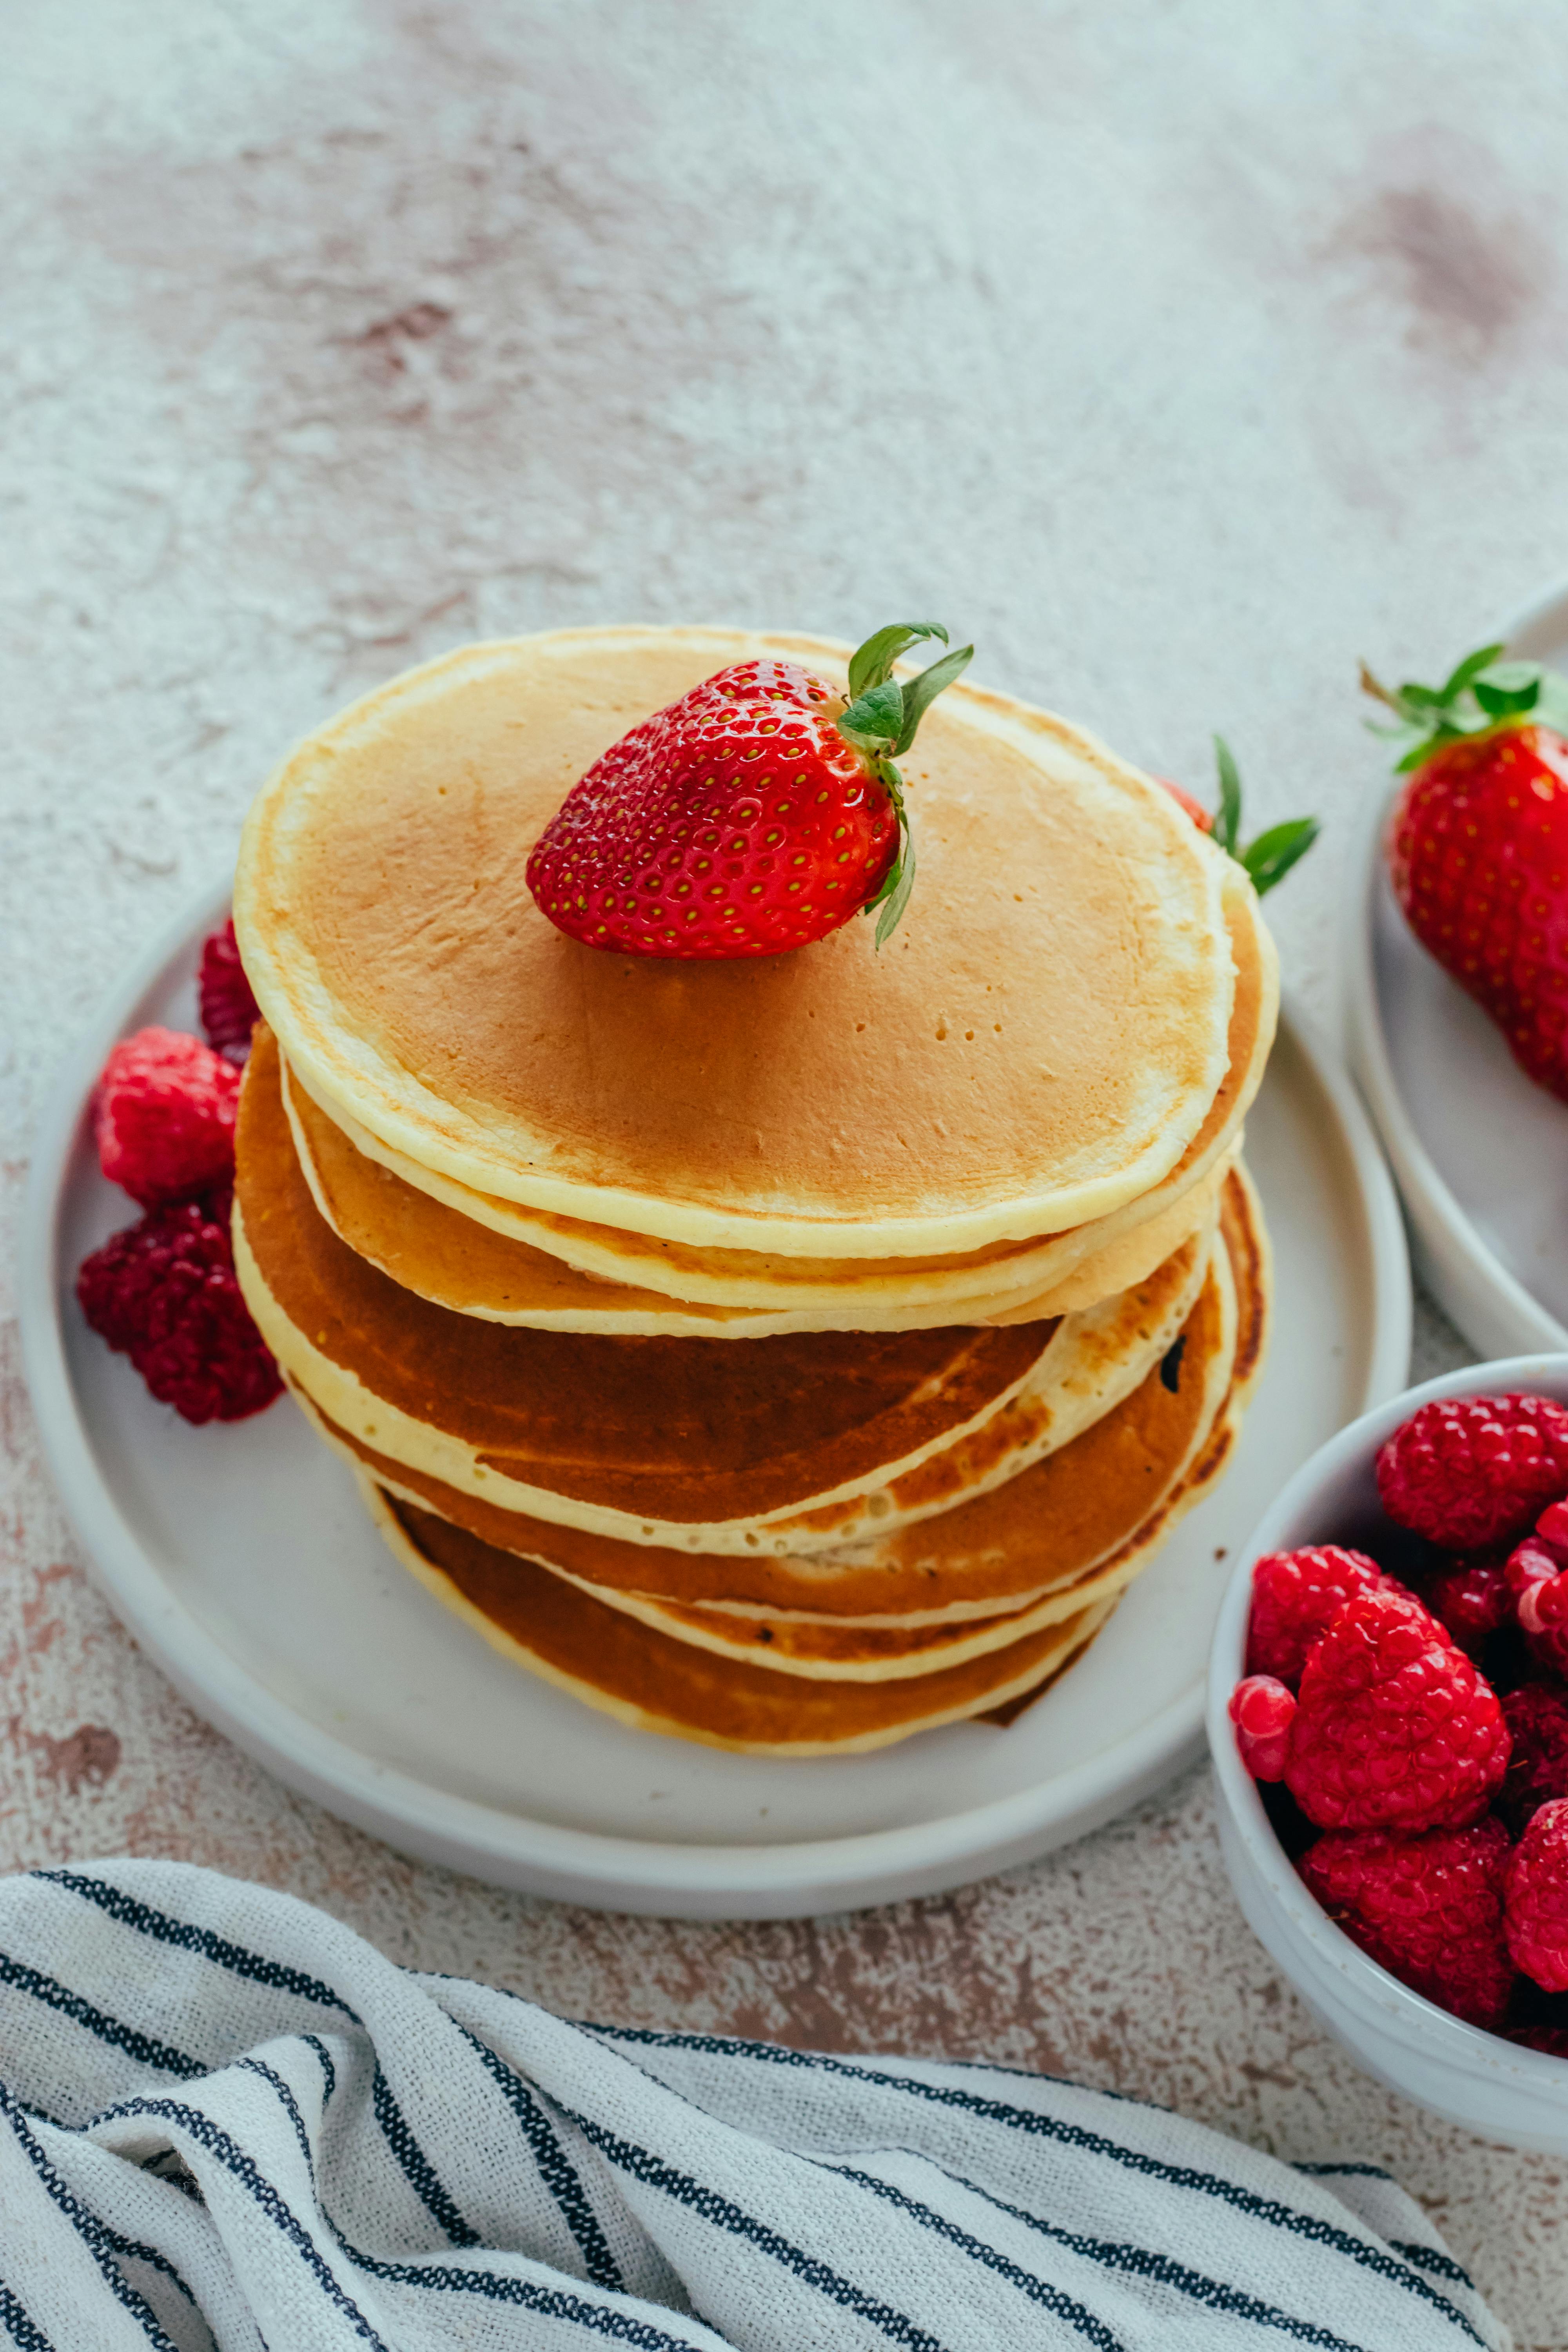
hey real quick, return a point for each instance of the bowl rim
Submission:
(1366, 1983)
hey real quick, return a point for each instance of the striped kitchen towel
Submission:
(226, 2120)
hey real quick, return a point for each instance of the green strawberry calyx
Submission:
(1482, 696)
(881, 723)
(1269, 859)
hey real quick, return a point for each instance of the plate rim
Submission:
(667, 1878)
(1494, 1310)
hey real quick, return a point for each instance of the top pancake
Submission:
(1038, 1045)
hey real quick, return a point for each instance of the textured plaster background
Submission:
(1182, 352)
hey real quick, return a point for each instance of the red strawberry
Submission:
(1394, 1728)
(1190, 807)
(1428, 1909)
(1477, 844)
(1295, 1597)
(1267, 859)
(756, 814)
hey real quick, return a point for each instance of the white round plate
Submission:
(1480, 1152)
(241, 1560)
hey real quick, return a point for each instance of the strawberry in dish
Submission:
(1477, 842)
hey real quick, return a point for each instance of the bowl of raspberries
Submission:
(1388, 1713)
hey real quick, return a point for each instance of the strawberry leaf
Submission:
(1269, 859)
(921, 692)
(898, 882)
(1227, 816)
(1470, 668)
(1482, 692)
(1420, 753)
(869, 664)
(1504, 701)
(874, 720)
(881, 721)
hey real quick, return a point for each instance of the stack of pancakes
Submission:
(789, 1354)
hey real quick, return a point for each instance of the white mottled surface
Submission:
(1182, 352)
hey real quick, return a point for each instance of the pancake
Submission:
(1105, 1356)
(456, 1262)
(650, 1683)
(822, 1648)
(1038, 1046)
(1044, 1530)
(647, 1439)
(398, 1226)
(673, 1425)
(819, 1648)
(1101, 1355)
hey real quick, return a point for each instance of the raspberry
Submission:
(1428, 1909)
(1533, 1572)
(229, 1010)
(1469, 1473)
(163, 1292)
(1394, 1728)
(1542, 1608)
(1553, 2039)
(1471, 1598)
(1261, 1709)
(165, 1117)
(1535, 1899)
(1295, 1594)
(1537, 1721)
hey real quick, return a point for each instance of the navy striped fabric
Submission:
(227, 2121)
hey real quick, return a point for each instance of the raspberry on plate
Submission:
(229, 1010)
(164, 1117)
(1535, 1908)
(1295, 1596)
(1429, 1909)
(1393, 1728)
(1472, 1472)
(163, 1292)
(1262, 1710)
(1537, 1721)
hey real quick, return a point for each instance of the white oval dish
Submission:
(1490, 1225)
(1461, 2073)
(242, 1561)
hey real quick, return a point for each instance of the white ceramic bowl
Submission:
(1473, 2078)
